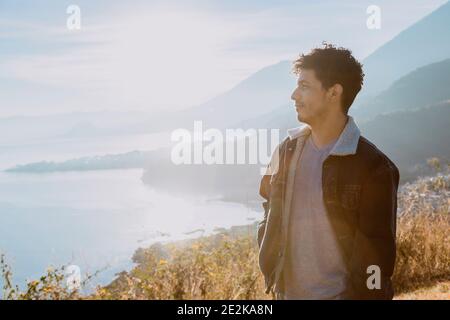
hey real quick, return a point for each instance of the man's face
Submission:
(310, 97)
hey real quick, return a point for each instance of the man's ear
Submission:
(335, 92)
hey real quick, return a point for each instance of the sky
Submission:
(159, 56)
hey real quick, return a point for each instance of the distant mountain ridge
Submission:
(260, 93)
(421, 44)
(426, 86)
(423, 87)
(270, 88)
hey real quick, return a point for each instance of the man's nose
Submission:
(294, 95)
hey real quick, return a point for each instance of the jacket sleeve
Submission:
(264, 192)
(374, 248)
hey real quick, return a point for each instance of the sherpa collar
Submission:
(346, 143)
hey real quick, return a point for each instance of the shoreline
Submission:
(161, 246)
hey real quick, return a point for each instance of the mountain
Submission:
(421, 44)
(409, 138)
(270, 88)
(423, 87)
(132, 159)
(260, 93)
(26, 129)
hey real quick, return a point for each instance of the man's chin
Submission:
(300, 118)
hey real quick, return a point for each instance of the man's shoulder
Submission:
(372, 156)
(287, 143)
(283, 145)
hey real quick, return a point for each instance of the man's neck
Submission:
(328, 130)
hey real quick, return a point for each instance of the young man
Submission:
(331, 196)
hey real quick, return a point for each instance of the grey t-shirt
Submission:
(314, 268)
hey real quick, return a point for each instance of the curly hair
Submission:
(332, 66)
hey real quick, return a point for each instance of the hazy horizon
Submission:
(142, 57)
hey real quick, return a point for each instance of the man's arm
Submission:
(264, 191)
(374, 242)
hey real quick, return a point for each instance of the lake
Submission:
(95, 219)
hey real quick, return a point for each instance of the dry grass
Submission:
(423, 237)
(423, 252)
(439, 291)
(225, 270)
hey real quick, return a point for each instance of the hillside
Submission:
(410, 137)
(270, 88)
(260, 93)
(423, 87)
(409, 50)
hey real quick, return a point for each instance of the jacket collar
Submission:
(346, 144)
